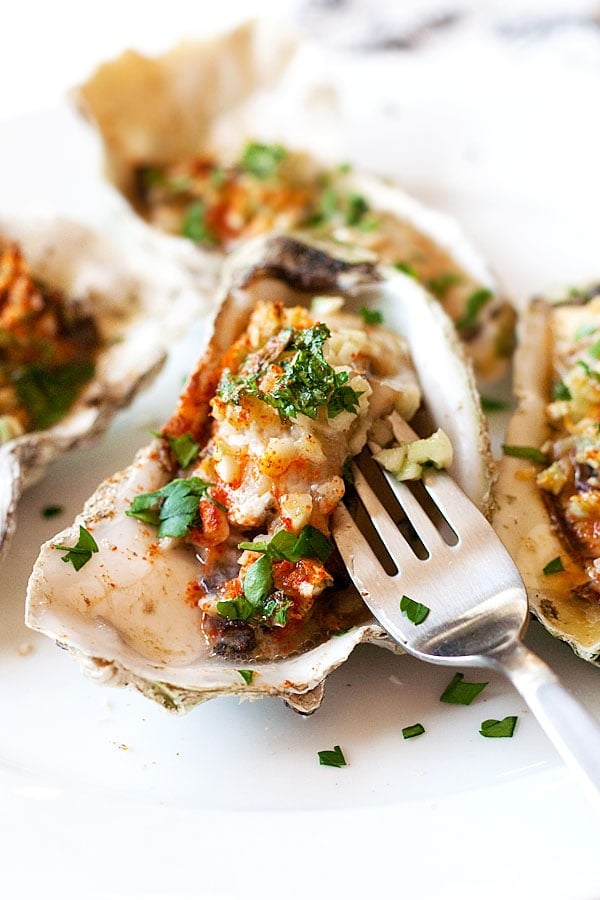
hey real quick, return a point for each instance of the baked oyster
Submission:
(180, 155)
(549, 479)
(84, 325)
(205, 568)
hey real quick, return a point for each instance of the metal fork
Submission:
(475, 595)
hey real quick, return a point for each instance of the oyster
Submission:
(141, 611)
(179, 153)
(101, 315)
(549, 479)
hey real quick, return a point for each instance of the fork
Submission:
(450, 560)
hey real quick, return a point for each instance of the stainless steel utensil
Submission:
(449, 559)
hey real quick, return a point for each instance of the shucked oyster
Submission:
(174, 134)
(549, 481)
(150, 587)
(83, 326)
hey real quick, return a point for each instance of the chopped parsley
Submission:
(307, 382)
(560, 391)
(522, 452)
(81, 553)
(493, 404)
(48, 392)
(371, 316)
(356, 208)
(333, 757)
(462, 692)
(406, 268)
(416, 612)
(259, 600)
(554, 566)
(49, 512)
(441, 284)
(262, 160)
(411, 731)
(174, 507)
(185, 449)
(475, 303)
(351, 207)
(247, 675)
(194, 225)
(498, 728)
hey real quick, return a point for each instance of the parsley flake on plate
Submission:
(462, 692)
(498, 728)
(333, 757)
(82, 552)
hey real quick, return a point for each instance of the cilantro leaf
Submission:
(258, 581)
(497, 728)
(371, 316)
(240, 609)
(81, 553)
(560, 391)
(333, 757)
(286, 545)
(462, 692)
(247, 675)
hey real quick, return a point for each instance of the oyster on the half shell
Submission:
(199, 141)
(134, 304)
(549, 478)
(135, 613)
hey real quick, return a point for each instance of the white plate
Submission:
(105, 795)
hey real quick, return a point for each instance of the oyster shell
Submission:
(122, 615)
(138, 304)
(174, 150)
(548, 507)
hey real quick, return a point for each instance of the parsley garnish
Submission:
(49, 512)
(259, 600)
(262, 160)
(356, 207)
(531, 453)
(174, 507)
(462, 692)
(247, 675)
(406, 268)
(497, 728)
(492, 404)
(184, 448)
(411, 731)
(81, 553)
(554, 566)
(352, 207)
(333, 757)
(371, 316)
(47, 393)
(307, 381)
(416, 612)
(194, 225)
(442, 283)
(475, 303)
(560, 391)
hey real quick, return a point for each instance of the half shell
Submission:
(138, 303)
(548, 512)
(205, 100)
(122, 615)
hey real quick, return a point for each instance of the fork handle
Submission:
(572, 730)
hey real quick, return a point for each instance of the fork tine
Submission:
(387, 529)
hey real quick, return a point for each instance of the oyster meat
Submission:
(180, 155)
(549, 479)
(290, 384)
(84, 325)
